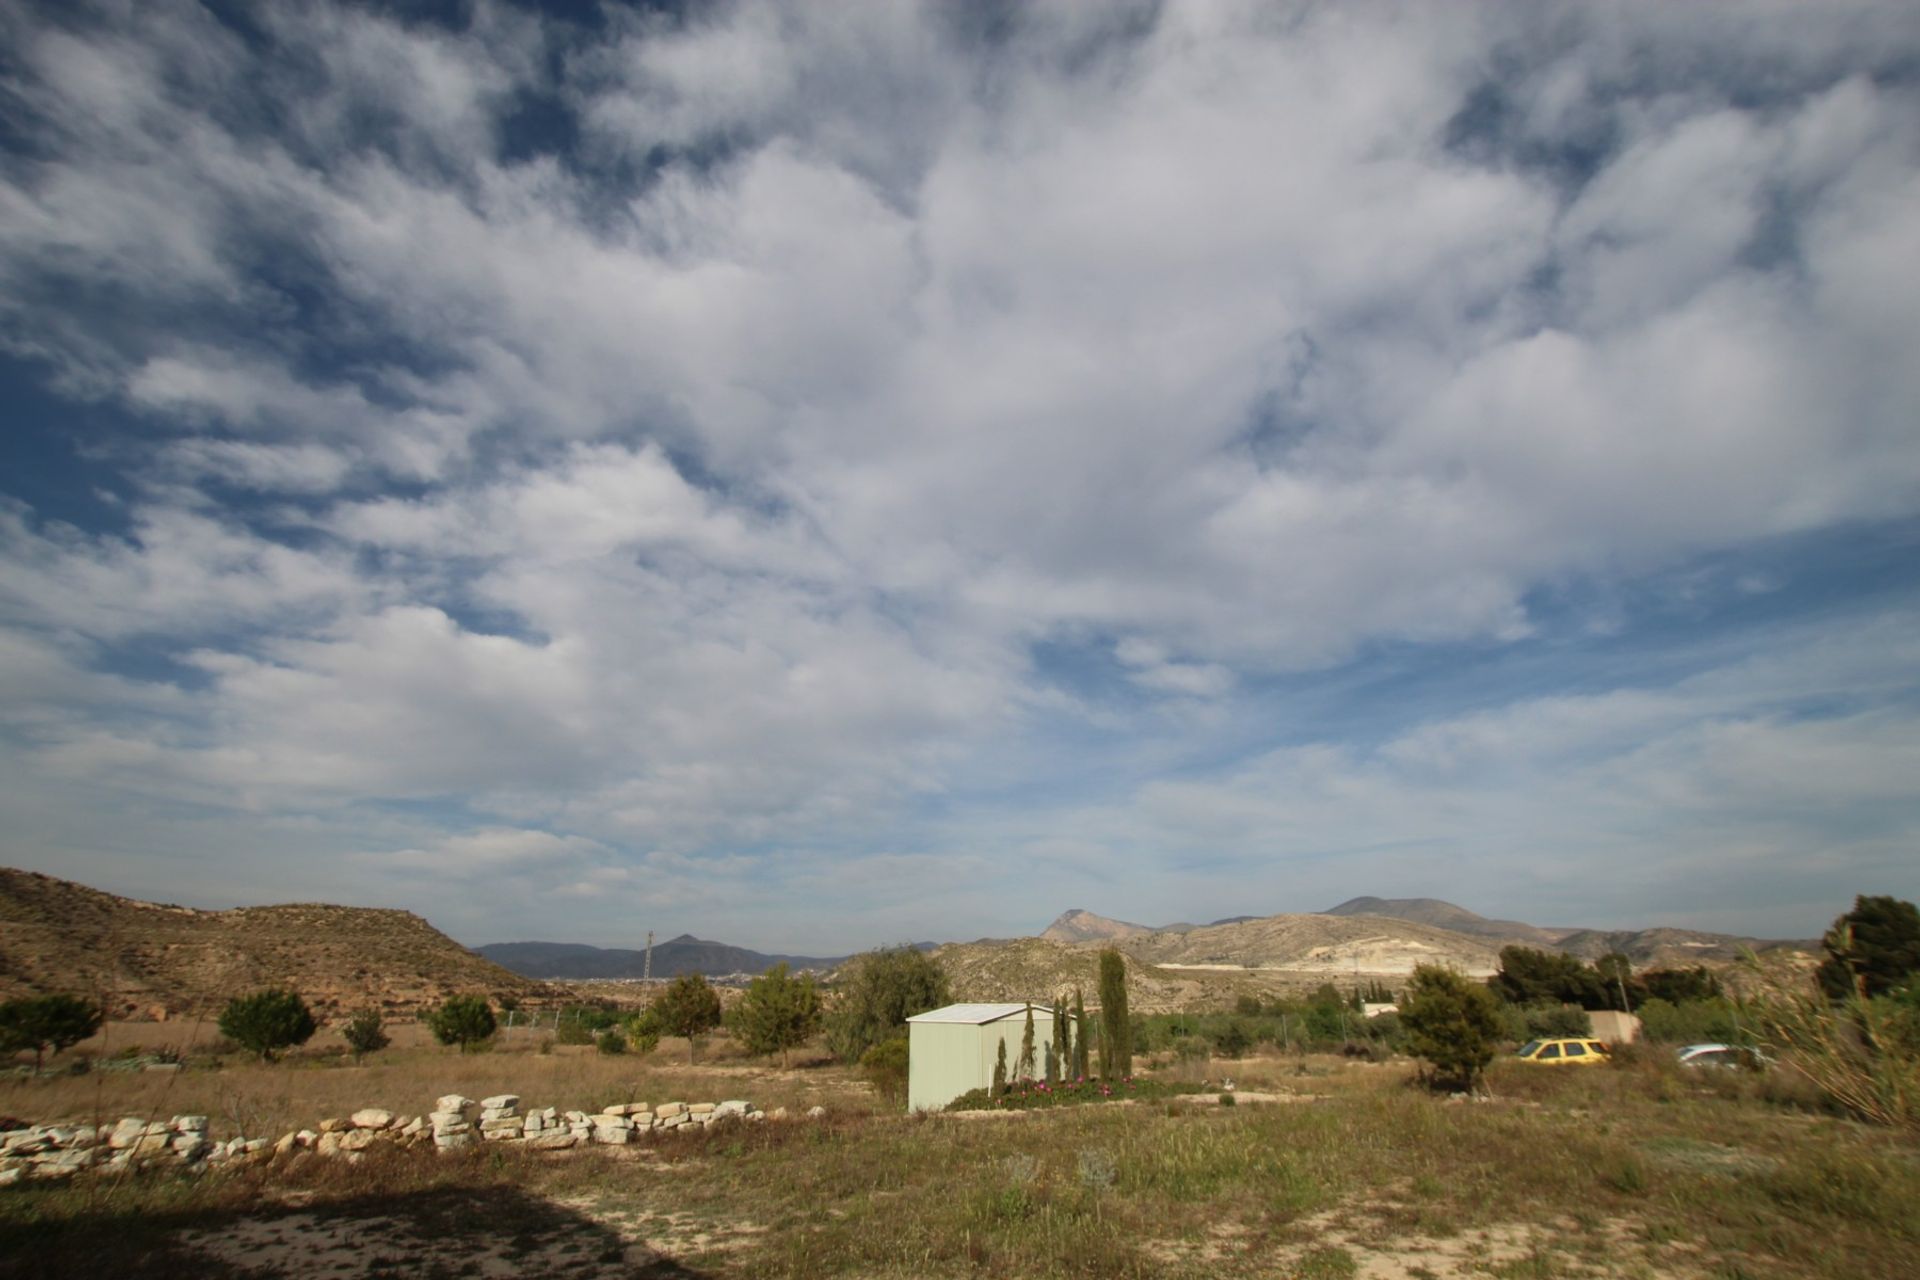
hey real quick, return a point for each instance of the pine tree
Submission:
(1023, 1069)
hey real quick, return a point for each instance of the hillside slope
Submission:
(151, 959)
(1312, 943)
(1445, 915)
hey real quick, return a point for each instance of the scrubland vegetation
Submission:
(1311, 1164)
(1324, 1165)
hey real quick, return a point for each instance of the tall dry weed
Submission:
(1853, 1051)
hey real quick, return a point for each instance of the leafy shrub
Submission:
(1232, 1040)
(885, 1067)
(467, 1021)
(612, 1040)
(267, 1022)
(643, 1032)
(1690, 1021)
(365, 1033)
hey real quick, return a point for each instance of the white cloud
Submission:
(717, 484)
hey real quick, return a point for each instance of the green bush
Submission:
(466, 1021)
(643, 1032)
(885, 1067)
(1233, 1039)
(612, 1040)
(267, 1022)
(1691, 1022)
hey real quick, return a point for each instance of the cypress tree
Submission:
(1116, 1029)
(1079, 1036)
(1057, 1051)
(1023, 1070)
(1000, 1071)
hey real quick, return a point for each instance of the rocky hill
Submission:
(1670, 948)
(1315, 944)
(150, 959)
(1084, 926)
(1647, 948)
(1040, 968)
(1445, 915)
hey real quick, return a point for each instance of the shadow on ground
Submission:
(441, 1232)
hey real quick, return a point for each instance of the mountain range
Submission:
(684, 954)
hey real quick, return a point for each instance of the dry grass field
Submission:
(1320, 1168)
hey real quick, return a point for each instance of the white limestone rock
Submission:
(371, 1118)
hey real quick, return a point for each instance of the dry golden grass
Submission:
(1637, 1170)
(245, 1097)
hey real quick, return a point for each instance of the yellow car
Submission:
(1563, 1053)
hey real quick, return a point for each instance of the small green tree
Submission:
(688, 1007)
(40, 1023)
(879, 991)
(612, 1040)
(1079, 1035)
(1451, 1023)
(1116, 1028)
(267, 1022)
(643, 1032)
(1023, 1067)
(365, 1033)
(779, 1013)
(1000, 1070)
(467, 1021)
(1871, 950)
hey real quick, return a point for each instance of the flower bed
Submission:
(1026, 1094)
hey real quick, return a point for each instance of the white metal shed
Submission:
(953, 1050)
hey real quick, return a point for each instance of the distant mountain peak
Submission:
(1080, 925)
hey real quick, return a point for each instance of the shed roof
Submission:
(977, 1014)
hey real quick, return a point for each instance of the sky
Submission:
(825, 475)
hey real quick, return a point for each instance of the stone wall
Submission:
(62, 1150)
